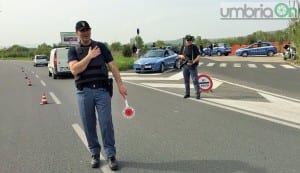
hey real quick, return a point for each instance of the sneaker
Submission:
(95, 163)
(186, 96)
(112, 163)
(198, 97)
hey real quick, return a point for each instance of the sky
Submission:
(33, 22)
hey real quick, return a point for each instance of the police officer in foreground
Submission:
(88, 62)
(190, 56)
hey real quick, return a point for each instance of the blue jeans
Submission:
(193, 73)
(90, 100)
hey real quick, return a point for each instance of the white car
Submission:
(40, 60)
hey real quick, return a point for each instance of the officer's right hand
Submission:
(94, 52)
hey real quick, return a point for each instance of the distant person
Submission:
(190, 55)
(201, 48)
(88, 63)
(211, 48)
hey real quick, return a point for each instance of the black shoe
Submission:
(95, 163)
(186, 96)
(198, 97)
(113, 163)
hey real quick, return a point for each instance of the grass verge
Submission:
(122, 62)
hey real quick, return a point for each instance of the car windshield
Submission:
(154, 53)
(41, 57)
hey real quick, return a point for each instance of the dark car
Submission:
(156, 60)
(257, 49)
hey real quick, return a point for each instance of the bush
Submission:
(127, 52)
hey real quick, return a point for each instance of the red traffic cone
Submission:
(44, 99)
(29, 83)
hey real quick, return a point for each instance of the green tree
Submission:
(294, 35)
(160, 43)
(116, 46)
(43, 49)
(127, 51)
(139, 42)
(17, 51)
(198, 41)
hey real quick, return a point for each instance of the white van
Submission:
(58, 62)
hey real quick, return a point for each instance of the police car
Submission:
(257, 49)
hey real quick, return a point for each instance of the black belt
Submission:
(92, 85)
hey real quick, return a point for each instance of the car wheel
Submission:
(245, 54)
(54, 76)
(270, 53)
(226, 54)
(162, 67)
(219, 53)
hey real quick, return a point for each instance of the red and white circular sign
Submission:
(205, 82)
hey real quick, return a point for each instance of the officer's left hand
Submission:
(123, 90)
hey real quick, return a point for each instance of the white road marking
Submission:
(176, 76)
(81, 135)
(43, 83)
(268, 66)
(252, 66)
(276, 107)
(37, 76)
(253, 112)
(210, 64)
(237, 65)
(56, 100)
(216, 84)
(287, 66)
(139, 74)
(223, 65)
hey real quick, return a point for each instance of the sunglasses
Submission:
(188, 40)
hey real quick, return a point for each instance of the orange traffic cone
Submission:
(29, 83)
(44, 100)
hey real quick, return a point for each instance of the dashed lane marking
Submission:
(223, 65)
(252, 66)
(210, 64)
(43, 83)
(56, 100)
(287, 66)
(237, 65)
(268, 66)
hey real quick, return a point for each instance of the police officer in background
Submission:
(88, 63)
(190, 56)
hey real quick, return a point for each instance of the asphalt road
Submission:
(167, 134)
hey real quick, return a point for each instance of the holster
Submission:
(109, 86)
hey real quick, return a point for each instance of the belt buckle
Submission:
(94, 86)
